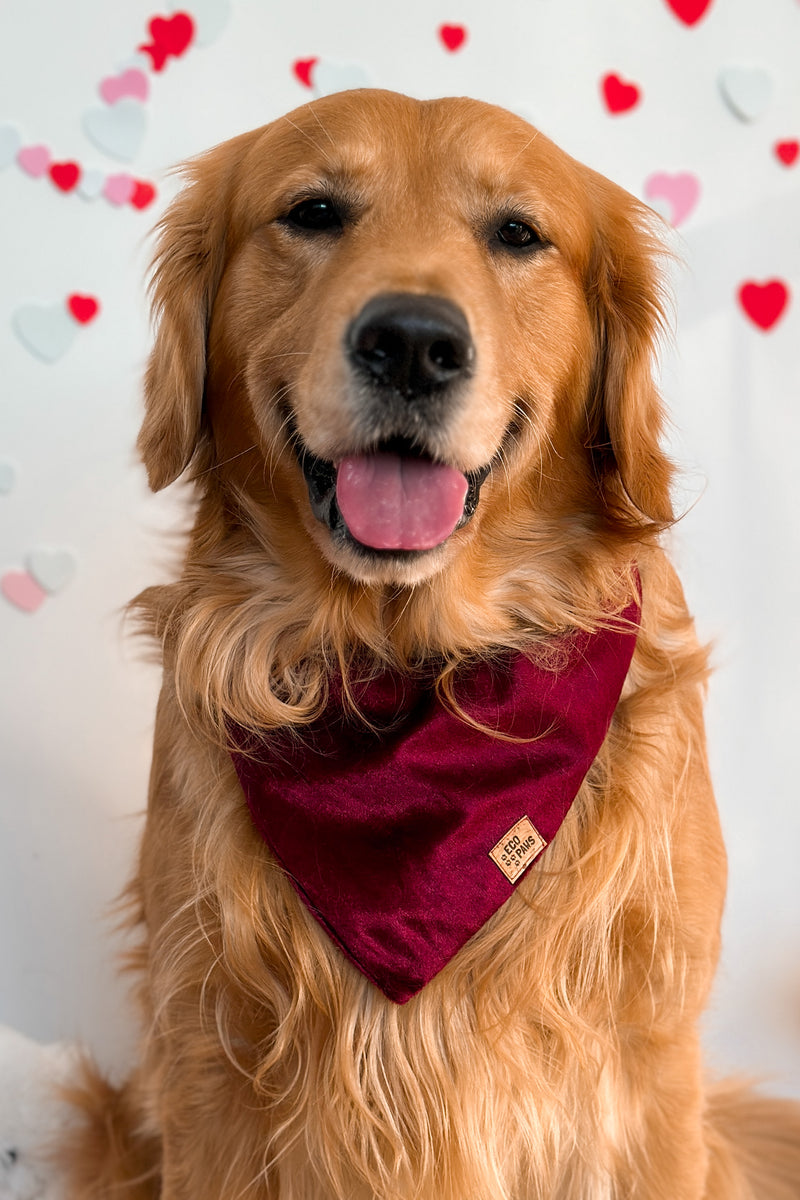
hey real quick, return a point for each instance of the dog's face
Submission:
(392, 322)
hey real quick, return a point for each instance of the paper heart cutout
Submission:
(210, 18)
(689, 11)
(619, 95)
(764, 303)
(302, 69)
(8, 476)
(787, 151)
(22, 591)
(143, 194)
(119, 189)
(51, 569)
(747, 91)
(47, 330)
(681, 192)
(34, 160)
(117, 131)
(330, 77)
(65, 175)
(83, 308)
(91, 183)
(10, 144)
(132, 82)
(171, 37)
(452, 36)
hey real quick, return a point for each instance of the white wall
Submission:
(76, 702)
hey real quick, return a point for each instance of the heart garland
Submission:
(118, 128)
(68, 176)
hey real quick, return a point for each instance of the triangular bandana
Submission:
(403, 842)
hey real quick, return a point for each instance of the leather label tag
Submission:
(517, 849)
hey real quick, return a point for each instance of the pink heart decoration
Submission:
(129, 83)
(681, 192)
(22, 590)
(452, 36)
(619, 95)
(119, 189)
(764, 303)
(689, 11)
(34, 160)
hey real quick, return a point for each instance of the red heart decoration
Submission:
(689, 11)
(452, 36)
(171, 37)
(619, 96)
(764, 302)
(143, 194)
(303, 68)
(65, 175)
(788, 151)
(83, 308)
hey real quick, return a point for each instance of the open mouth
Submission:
(394, 500)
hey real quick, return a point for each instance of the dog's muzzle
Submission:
(409, 354)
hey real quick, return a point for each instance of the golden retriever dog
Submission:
(404, 354)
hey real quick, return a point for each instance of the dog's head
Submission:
(401, 326)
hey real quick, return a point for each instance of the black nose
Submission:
(412, 344)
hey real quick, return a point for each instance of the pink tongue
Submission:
(394, 503)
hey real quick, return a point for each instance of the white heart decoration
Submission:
(118, 129)
(330, 77)
(52, 569)
(91, 183)
(10, 144)
(47, 330)
(746, 90)
(210, 18)
(8, 476)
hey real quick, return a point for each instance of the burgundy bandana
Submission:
(403, 842)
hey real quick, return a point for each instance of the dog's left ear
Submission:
(626, 416)
(187, 267)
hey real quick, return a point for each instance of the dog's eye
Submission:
(518, 234)
(317, 214)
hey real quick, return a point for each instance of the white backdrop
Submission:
(702, 117)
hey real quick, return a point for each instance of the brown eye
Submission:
(518, 234)
(316, 215)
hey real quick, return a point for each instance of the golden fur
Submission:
(556, 1057)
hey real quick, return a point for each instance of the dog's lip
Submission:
(321, 474)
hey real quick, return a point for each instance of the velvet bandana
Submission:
(403, 839)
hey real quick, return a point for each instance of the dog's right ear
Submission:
(187, 267)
